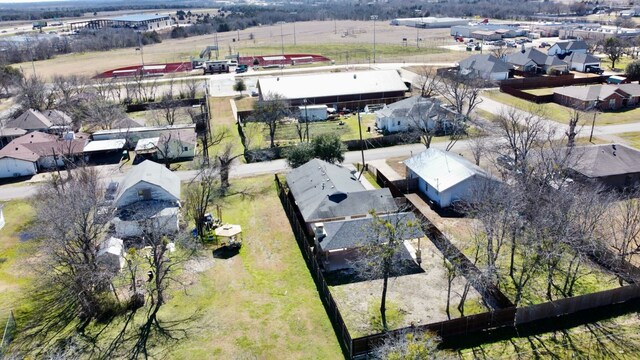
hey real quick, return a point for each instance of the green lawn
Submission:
(261, 303)
(15, 270)
(542, 91)
(561, 113)
(287, 133)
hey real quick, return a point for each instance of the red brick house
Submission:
(605, 97)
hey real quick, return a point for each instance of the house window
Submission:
(612, 103)
(144, 194)
(398, 122)
(185, 148)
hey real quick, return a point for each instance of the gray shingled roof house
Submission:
(337, 242)
(47, 121)
(605, 97)
(534, 60)
(582, 61)
(147, 198)
(485, 66)
(148, 181)
(413, 112)
(609, 165)
(326, 191)
(564, 47)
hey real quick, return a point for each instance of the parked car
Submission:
(544, 45)
(595, 70)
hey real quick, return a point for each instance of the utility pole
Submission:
(281, 36)
(374, 18)
(593, 123)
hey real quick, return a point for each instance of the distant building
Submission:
(485, 66)
(429, 22)
(139, 22)
(566, 47)
(445, 177)
(488, 31)
(342, 89)
(535, 61)
(49, 121)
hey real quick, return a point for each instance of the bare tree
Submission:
(224, 160)
(428, 81)
(523, 131)
(270, 111)
(500, 51)
(479, 146)
(572, 132)
(189, 89)
(381, 255)
(102, 114)
(462, 92)
(200, 194)
(623, 227)
(32, 93)
(166, 111)
(73, 288)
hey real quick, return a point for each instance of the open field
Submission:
(268, 40)
(560, 113)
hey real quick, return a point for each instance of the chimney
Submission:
(318, 231)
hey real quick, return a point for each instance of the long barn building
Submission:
(351, 89)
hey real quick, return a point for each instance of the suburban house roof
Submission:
(598, 92)
(125, 123)
(415, 107)
(32, 146)
(348, 234)
(36, 120)
(604, 160)
(332, 84)
(186, 136)
(152, 173)
(520, 58)
(12, 132)
(484, 64)
(30, 120)
(572, 45)
(323, 190)
(104, 145)
(443, 169)
(143, 129)
(582, 58)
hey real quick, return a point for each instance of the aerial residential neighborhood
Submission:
(319, 180)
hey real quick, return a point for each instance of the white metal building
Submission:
(445, 177)
(429, 22)
(313, 112)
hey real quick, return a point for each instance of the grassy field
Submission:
(633, 138)
(343, 41)
(543, 91)
(561, 113)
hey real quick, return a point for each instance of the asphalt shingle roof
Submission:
(348, 234)
(605, 160)
(484, 64)
(152, 173)
(323, 190)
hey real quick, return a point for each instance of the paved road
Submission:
(114, 173)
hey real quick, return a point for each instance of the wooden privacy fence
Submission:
(503, 323)
(299, 230)
(551, 81)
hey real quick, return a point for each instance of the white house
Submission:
(582, 61)
(177, 144)
(147, 198)
(565, 47)
(313, 112)
(412, 113)
(485, 66)
(445, 177)
(111, 254)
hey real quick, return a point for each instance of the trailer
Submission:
(216, 67)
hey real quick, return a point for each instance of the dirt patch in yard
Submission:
(419, 298)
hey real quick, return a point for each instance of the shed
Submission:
(313, 112)
(111, 255)
(445, 177)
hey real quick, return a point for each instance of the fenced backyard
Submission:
(505, 321)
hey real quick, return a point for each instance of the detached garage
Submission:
(445, 177)
(15, 167)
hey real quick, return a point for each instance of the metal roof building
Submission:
(351, 87)
(429, 22)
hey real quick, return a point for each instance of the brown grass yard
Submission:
(560, 113)
(267, 40)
